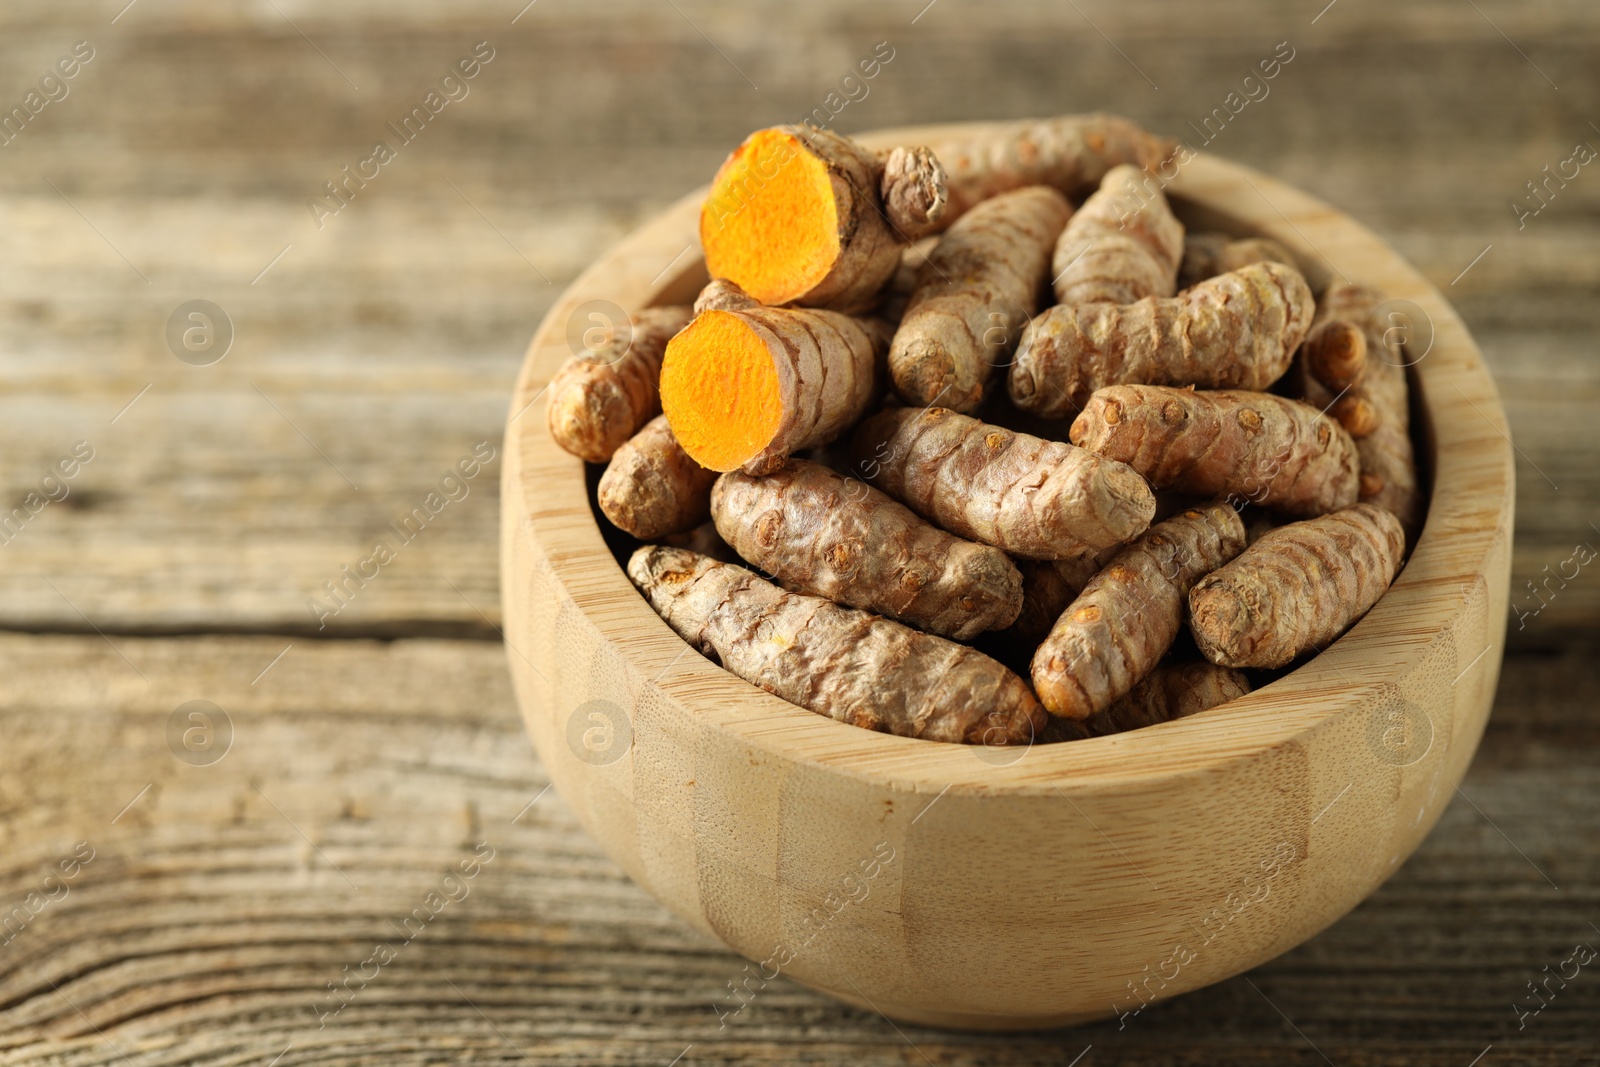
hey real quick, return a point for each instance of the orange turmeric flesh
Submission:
(719, 389)
(744, 387)
(771, 223)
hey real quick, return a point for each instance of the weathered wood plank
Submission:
(216, 909)
(391, 335)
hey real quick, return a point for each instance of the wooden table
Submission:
(357, 758)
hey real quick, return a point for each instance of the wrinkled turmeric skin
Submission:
(1236, 331)
(600, 399)
(836, 661)
(1297, 588)
(973, 296)
(1121, 246)
(652, 488)
(1071, 153)
(1035, 499)
(821, 533)
(914, 191)
(1252, 448)
(1127, 617)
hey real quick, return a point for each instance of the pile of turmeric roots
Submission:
(883, 476)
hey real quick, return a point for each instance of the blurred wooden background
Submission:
(366, 759)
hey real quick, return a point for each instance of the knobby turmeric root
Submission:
(1389, 475)
(1336, 353)
(1236, 331)
(1381, 371)
(974, 295)
(1297, 588)
(1329, 373)
(746, 386)
(1356, 413)
(1205, 255)
(1122, 245)
(913, 191)
(652, 488)
(800, 215)
(1034, 498)
(600, 399)
(836, 661)
(1069, 152)
(1388, 460)
(1171, 691)
(1129, 614)
(1349, 353)
(821, 533)
(1253, 448)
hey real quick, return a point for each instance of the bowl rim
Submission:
(1471, 501)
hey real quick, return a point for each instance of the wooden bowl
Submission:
(1012, 888)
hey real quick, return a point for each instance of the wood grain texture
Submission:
(205, 924)
(392, 338)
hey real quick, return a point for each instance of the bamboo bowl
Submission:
(1011, 889)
